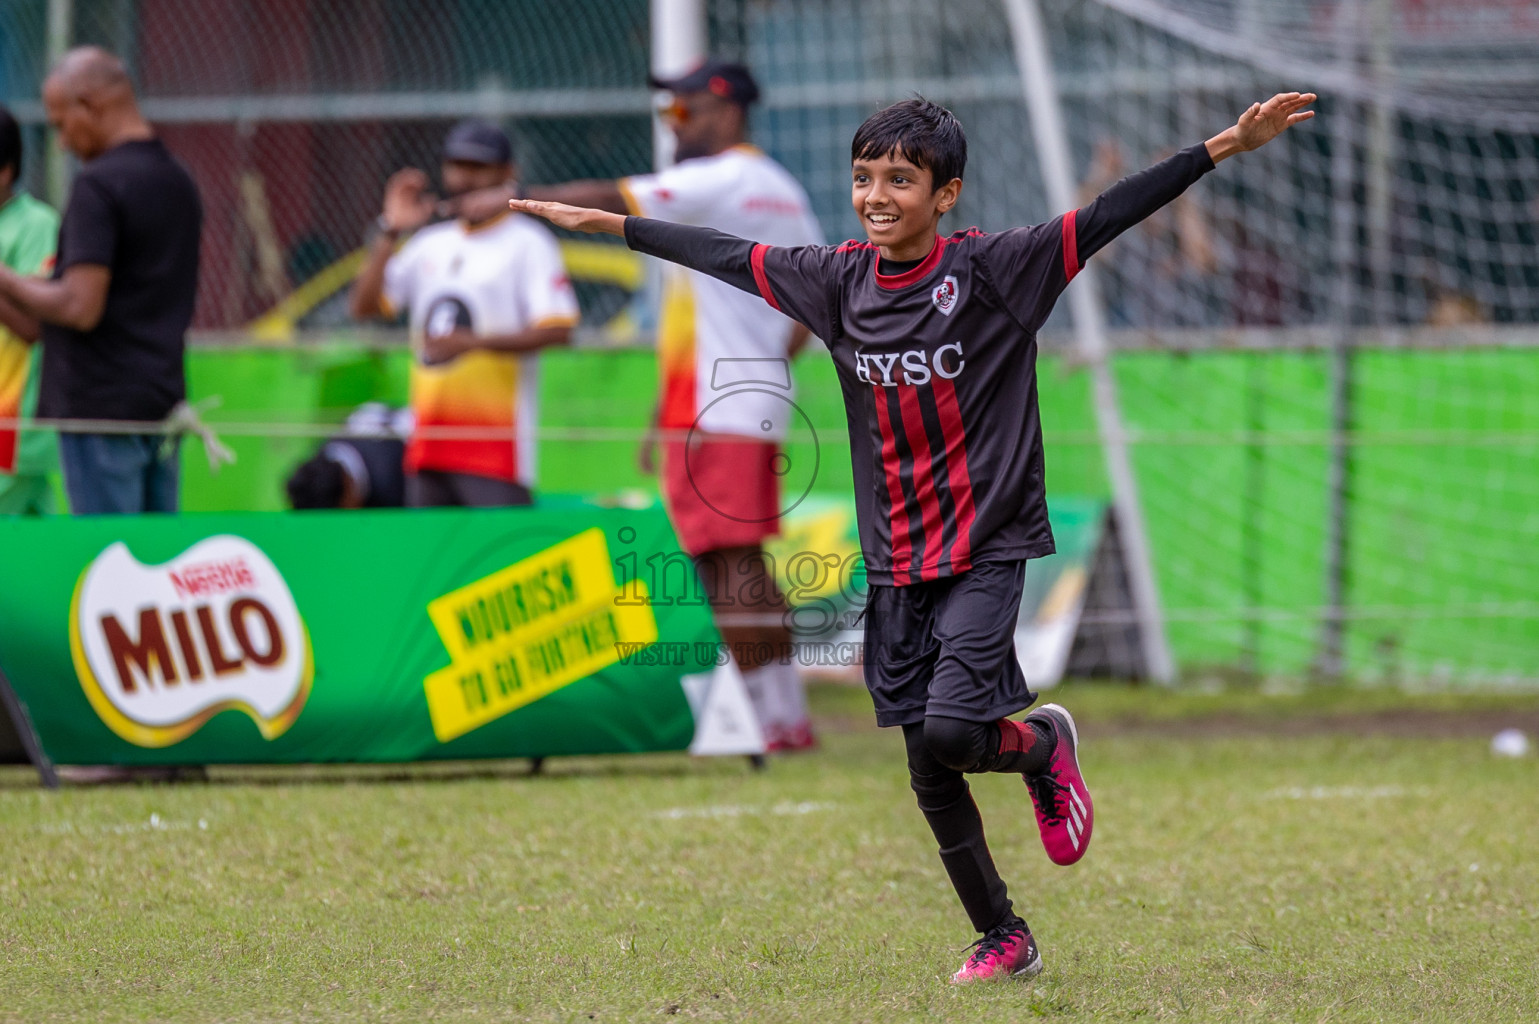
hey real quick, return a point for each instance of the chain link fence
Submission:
(1325, 352)
(1413, 202)
(291, 115)
(1425, 157)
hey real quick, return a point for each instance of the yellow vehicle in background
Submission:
(604, 268)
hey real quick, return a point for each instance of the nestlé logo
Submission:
(162, 649)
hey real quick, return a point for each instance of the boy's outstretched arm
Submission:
(1138, 195)
(712, 252)
(793, 280)
(1262, 123)
(573, 218)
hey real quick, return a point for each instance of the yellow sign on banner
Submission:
(526, 631)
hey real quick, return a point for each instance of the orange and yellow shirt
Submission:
(499, 277)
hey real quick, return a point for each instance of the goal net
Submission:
(1324, 352)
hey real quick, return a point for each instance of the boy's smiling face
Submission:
(898, 205)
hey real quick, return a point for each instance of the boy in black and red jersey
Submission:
(935, 343)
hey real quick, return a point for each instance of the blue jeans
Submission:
(113, 474)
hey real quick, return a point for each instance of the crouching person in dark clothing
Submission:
(362, 468)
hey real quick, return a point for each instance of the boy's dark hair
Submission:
(316, 484)
(924, 133)
(10, 142)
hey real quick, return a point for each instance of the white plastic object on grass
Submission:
(1510, 743)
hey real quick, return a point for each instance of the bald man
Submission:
(115, 312)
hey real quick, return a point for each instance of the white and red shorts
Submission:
(722, 491)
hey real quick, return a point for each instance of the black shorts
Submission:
(947, 647)
(436, 488)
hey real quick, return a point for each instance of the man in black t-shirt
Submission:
(116, 311)
(934, 339)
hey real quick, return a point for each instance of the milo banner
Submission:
(378, 636)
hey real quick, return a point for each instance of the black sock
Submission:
(958, 827)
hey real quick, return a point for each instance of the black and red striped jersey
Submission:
(937, 366)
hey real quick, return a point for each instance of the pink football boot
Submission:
(1007, 951)
(1065, 813)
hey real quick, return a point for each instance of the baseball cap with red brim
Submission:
(728, 80)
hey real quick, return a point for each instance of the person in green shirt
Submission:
(29, 231)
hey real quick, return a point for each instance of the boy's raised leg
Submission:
(1043, 750)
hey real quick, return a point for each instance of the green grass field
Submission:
(1352, 856)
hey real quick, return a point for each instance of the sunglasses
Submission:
(675, 111)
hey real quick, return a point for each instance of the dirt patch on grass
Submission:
(1407, 722)
(1404, 722)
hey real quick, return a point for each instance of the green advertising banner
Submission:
(356, 636)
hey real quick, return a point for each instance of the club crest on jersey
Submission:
(946, 294)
